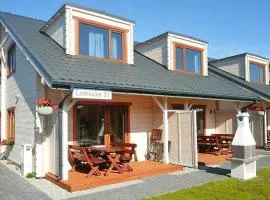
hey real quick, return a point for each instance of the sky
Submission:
(229, 26)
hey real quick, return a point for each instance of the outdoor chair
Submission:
(93, 162)
(127, 155)
(76, 156)
(154, 148)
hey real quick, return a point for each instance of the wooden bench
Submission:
(225, 142)
(208, 143)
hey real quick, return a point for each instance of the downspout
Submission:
(60, 111)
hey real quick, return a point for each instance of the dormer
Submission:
(177, 52)
(87, 32)
(250, 67)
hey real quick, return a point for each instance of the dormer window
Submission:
(188, 59)
(101, 41)
(256, 72)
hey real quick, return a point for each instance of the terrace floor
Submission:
(78, 181)
(206, 159)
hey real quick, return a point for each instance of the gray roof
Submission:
(146, 76)
(257, 88)
(166, 34)
(238, 55)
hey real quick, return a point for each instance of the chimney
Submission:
(243, 161)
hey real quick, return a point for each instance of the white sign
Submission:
(91, 94)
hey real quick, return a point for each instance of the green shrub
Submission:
(30, 175)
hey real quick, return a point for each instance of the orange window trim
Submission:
(11, 124)
(111, 29)
(11, 69)
(106, 135)
(261, 65)
(184, 47)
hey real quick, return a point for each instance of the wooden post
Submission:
(65, 163)
(65, 143)
(166, 131)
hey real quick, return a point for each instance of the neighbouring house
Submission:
(107, 90)
(251, 72)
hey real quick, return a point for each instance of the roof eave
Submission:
(67, 85)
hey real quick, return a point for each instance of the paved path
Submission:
(164, 183)
(14, 187)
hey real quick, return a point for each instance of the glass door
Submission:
(116, 124)
(101, 125)
(90, 124)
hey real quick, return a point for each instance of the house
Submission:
(107, 90)
(251, 72)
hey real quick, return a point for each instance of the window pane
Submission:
(117, 125)
(179, 58)
(91, 124)
(94, 41)
(256, 73)
(193, 61)
(117, 46)
(11, 60)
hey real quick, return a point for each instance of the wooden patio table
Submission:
(113, 154)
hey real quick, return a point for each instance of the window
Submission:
(256, 72)
(11, 124)
(101, 124)
(11, 60)
(188, 59)
(101, 42)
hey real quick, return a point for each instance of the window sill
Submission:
(102, 59)
(188, 73)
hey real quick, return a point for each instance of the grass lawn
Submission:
(258, 188)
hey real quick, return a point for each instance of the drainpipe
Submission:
(60, 113)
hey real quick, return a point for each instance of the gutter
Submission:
(65, 85)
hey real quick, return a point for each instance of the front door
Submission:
(101, 124)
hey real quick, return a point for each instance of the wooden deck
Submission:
(78, 181)
(206, 159)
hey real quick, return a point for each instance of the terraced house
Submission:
(112, 91)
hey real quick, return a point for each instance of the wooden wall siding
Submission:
(57, 31)
(226, 122)
(256, 125)
(157, 50)
(235, 66)
(23, 85)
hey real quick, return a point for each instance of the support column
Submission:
(65, 143)
(265, 129)
(3, 96)
(166, 131)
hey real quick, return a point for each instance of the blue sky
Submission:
(230, 27)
